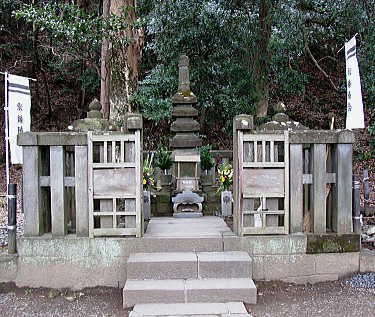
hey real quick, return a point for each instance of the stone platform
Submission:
(171, 227)
(78, 262)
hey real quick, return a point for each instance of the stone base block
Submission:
(211, 209)
(163, 197)
(162, 210)
(311, 279)
(367, 260)
(8, 268)
(333, 243)
(70, 273)
(342, 264)
(306, 268)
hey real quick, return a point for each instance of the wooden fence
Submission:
(58, 172)
(291, 181)
(54, 197)
(321, 181)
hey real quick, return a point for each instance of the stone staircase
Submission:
(189, 277)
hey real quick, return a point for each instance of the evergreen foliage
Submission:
(207, 161)
(163, 159)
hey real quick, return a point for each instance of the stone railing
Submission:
(55, 197)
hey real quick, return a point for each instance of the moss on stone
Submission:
(332, 243)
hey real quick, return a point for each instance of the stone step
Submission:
(189, 265)
(190, 309)
(161, 266)
(189, 291)
(187, 214)
(228, 264)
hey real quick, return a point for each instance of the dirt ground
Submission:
(274, 299)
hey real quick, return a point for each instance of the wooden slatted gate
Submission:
(263, 183)
(115, 188)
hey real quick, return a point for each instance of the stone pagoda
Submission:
(184, 146)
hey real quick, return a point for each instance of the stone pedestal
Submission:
(163, 205)
(211, 205)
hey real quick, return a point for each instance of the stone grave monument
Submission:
(184, 146)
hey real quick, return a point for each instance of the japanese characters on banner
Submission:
(354, 115)
(19, 105)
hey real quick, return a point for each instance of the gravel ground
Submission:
(362, 280)
(323, 299)
(274, 299)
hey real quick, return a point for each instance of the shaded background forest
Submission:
(244, 55)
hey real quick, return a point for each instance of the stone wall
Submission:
(77, 263)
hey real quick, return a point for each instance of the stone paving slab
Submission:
(190, 309)
(208, 226)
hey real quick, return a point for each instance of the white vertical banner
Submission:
(19, 106)
(354, 104)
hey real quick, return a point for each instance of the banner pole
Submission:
(6, 108)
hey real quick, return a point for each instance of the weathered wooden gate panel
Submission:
(262, 176)
(115, 187)
(114, 182)
(257, 181)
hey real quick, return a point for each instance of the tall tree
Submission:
(104, 67)
(262, 61)
(125, 59)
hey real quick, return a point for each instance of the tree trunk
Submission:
(125, 59)
(83, 4)
(263, 57)
(104, 70)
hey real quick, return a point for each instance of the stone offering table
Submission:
(187, 204)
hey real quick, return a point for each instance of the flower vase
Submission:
(146, 204)
(226, 203)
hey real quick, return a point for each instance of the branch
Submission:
(64, 56)
(328, 57)
(319, 67)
